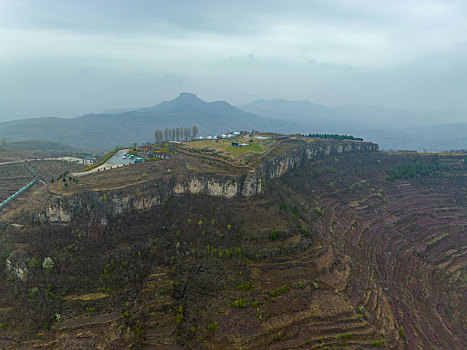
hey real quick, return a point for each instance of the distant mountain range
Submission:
(107, 130)
(392, 129)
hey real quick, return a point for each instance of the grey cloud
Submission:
(63, 58)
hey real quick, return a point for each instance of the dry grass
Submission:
(86, 297)
(225, 146)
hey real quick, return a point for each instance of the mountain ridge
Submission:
(102, 130)
(391, 129)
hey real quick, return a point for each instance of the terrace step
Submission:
(158, 309)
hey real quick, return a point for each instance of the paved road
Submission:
(117, 158)
(116, 161)
(67, 159)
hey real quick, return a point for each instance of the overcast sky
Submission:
(67, 58)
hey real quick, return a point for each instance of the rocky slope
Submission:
(292, 155)
(326, 252)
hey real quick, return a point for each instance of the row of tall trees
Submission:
(176, 134)
(334, 137)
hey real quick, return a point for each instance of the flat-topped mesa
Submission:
(103, 204)
(280, 164)
(272, 166)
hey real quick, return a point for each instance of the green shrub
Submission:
(48, 293)
(319, 211)
(33, 291)
(239, 304)
(275, 235)
(377, 343)
(277, 337)
(48, 264)
(33, 263)
(179, 316)
(409, 171)
(279, 291)
(212, 326)
(401, 332)
(247, 286)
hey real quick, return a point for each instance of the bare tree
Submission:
(187, 133)
(195, 131)
(158, 135)
(166, 134)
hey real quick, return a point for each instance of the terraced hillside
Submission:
(14, 176)
(330, 255)
(409, 236)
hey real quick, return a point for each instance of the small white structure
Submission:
(229, 136)
(214, 138)
(236, 133)
(209, 137)
(200, 138)
(223, 136)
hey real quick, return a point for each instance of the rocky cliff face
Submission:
(102, 205)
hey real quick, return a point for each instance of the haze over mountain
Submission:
(108, 130)
(392, 129)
